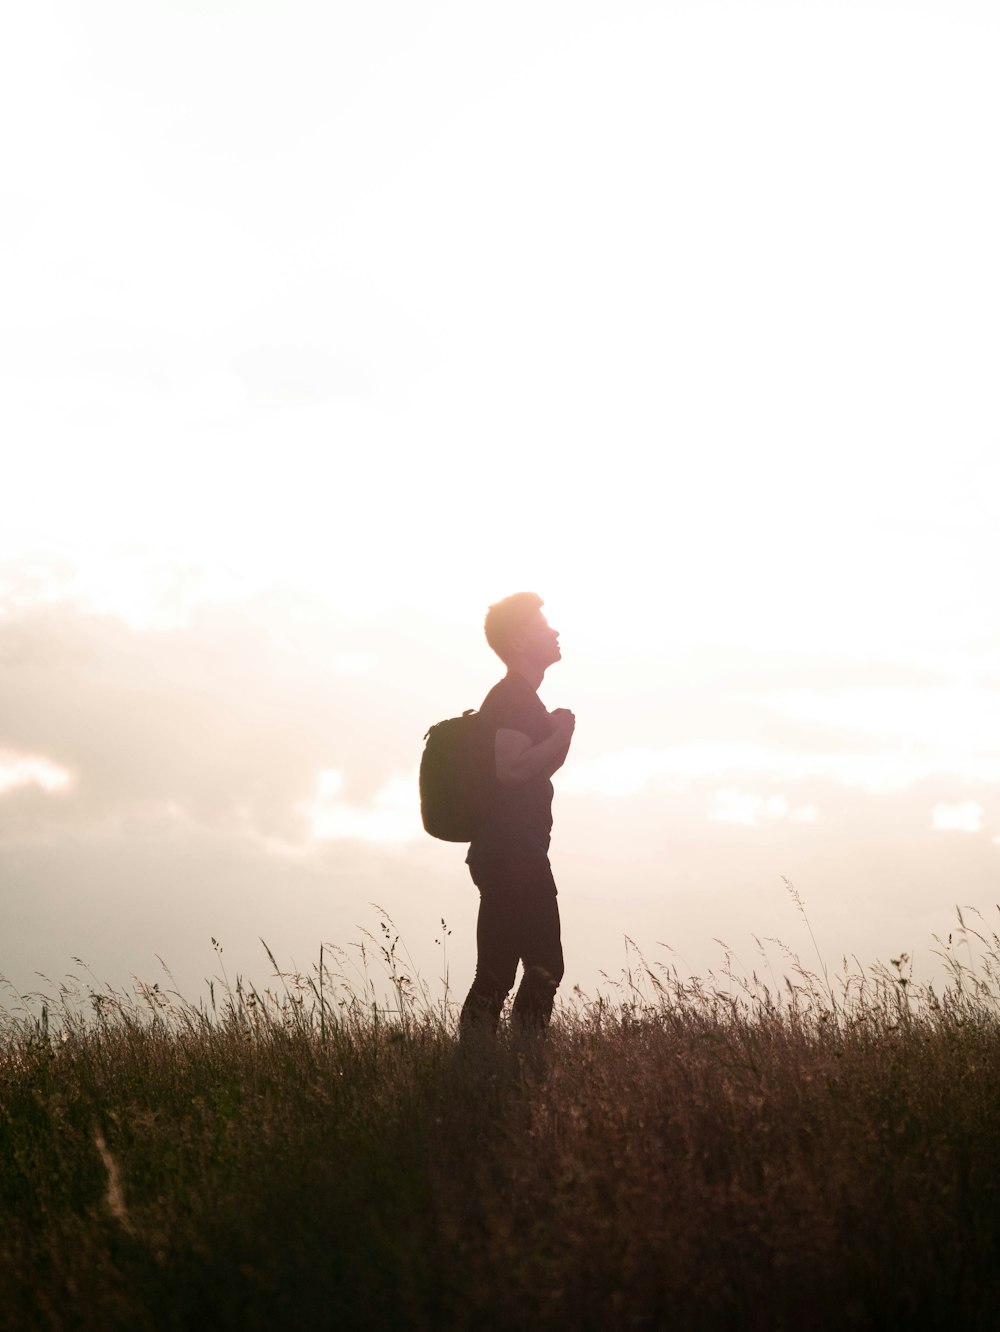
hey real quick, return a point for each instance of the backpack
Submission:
(455, 776)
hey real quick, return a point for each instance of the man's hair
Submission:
(505, 618)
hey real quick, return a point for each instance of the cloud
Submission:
(965, 719)
(248, 768)
(631, 771)
(748, 809)
(392, 816)
(31, 770)
(964, 817)
(223, 723)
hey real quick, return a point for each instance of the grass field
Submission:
(727, 1153)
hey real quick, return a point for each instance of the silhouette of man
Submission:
(508, 858)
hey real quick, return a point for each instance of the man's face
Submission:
(539, 641)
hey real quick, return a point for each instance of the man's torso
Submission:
(520, 817)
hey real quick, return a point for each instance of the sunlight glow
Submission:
(384, 363)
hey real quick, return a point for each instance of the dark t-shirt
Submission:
(520, 817)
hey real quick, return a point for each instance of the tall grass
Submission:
(735, 1151)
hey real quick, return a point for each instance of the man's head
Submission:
(517, 630)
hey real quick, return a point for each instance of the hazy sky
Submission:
(324, 325)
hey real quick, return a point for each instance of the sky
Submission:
(326, 325)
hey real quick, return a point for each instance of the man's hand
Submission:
(564, 721)
(518, 760)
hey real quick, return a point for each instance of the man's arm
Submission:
(518, 759)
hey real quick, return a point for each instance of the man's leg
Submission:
(496, 952)
(540, 947)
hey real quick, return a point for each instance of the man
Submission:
(508, 859)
